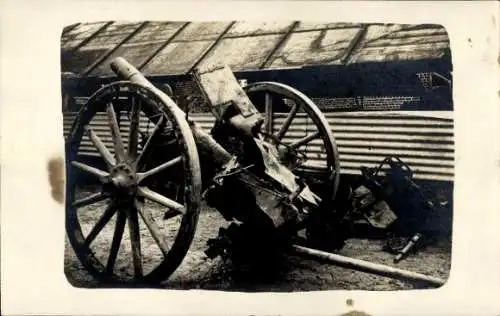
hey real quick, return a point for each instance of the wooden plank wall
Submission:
(424, 140)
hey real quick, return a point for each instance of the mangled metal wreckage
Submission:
(268, 189)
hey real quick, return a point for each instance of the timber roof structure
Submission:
(176, 48)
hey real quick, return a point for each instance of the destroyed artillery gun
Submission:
(267, 188)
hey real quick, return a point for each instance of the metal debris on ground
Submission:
(396, 204)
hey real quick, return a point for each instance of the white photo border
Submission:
(32, 222)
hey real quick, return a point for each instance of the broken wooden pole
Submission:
(365, 266)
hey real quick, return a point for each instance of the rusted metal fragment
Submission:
(269, 201)
(248, 125)
(55, 169)
(283, 175)
(377, 212)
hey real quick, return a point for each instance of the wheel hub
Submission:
(123, 180)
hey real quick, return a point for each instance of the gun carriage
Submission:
(267, 187)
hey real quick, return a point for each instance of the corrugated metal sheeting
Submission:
(172, 48)
(423, 140)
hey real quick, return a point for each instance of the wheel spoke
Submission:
(312, 164)
(153, 228)
(91, 199)
(103, 220)
(269, 113)
(158, 198)
(101, 175)
(287, 122)
(101, 148)
(117, 239)
(145, 149)
(332, 175)
(133, 137)
(135, 241)
(115, 133)
(143, 175)
(304, 140)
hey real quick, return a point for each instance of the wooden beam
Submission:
(211, 47)
(112, 50)
(70, 28)
(279, 45)
(368, 267)
(91, 37)
(354, 44)
(162, 46)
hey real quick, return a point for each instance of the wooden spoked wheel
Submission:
(138, 223)
(299, 130)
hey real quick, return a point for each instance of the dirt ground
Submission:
(296, 274)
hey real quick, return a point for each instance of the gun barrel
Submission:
(127, 71)
(205, 143)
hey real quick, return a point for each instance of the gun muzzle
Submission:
(126, 71)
